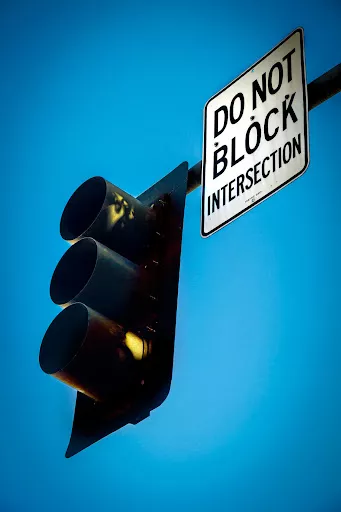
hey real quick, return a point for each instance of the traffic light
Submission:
(118, 285)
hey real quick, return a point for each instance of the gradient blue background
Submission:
(118, 90)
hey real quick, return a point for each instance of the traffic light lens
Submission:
(63, 338)
(83, 208)
(73, 271)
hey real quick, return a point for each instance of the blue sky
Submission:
(118, 90)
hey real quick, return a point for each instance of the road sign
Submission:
(255, 135)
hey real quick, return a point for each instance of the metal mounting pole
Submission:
(320, 90)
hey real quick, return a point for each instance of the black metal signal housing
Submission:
(118, 287)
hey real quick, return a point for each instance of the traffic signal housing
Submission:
(113, 341)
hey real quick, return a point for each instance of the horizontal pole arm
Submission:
(319, 90)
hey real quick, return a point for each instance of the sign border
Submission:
(306, 163)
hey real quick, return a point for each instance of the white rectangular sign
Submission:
(255, 135)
